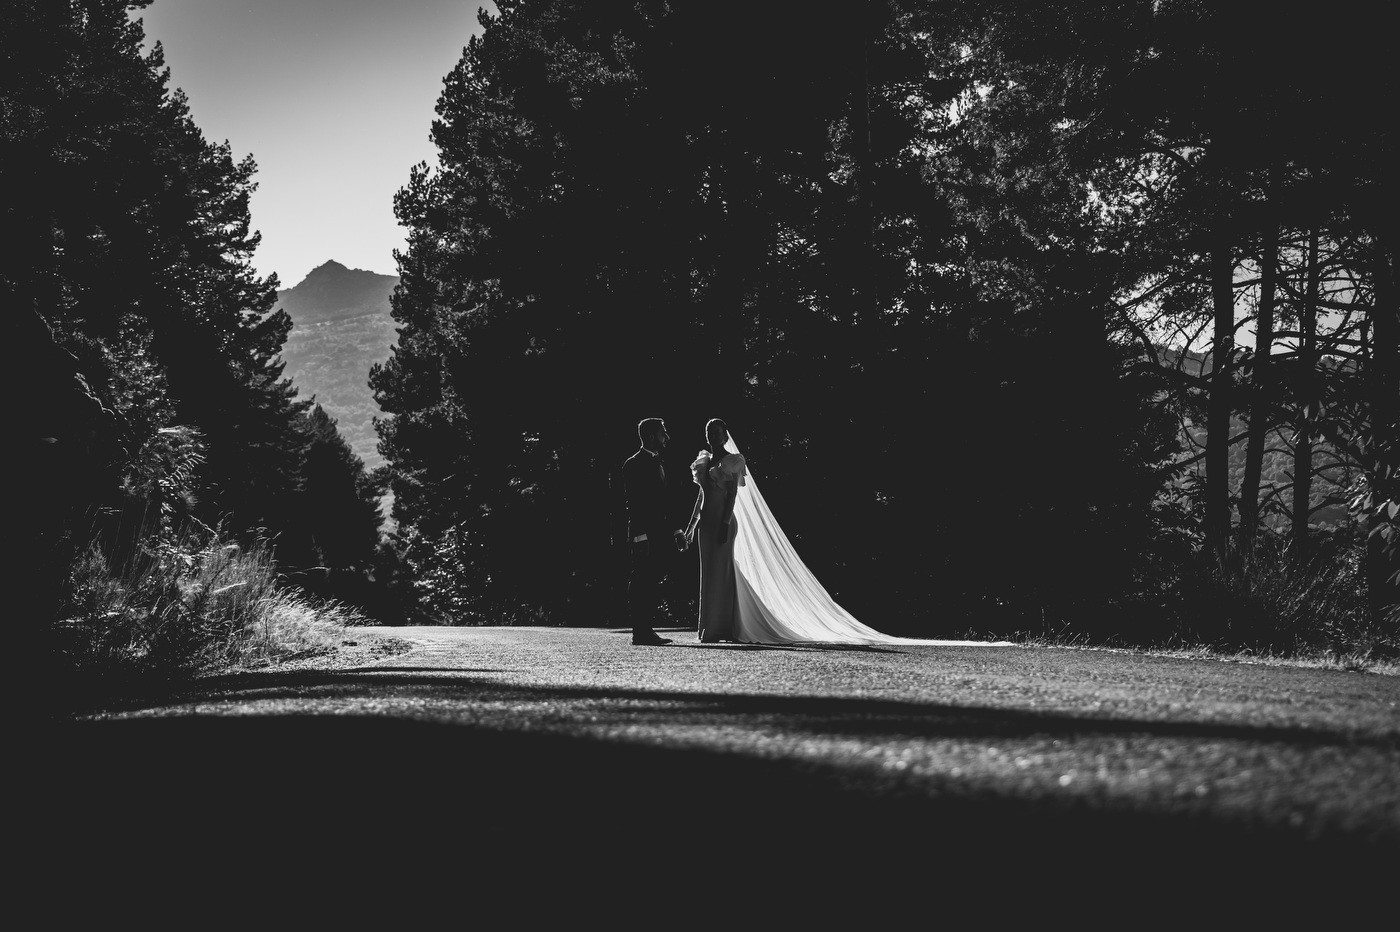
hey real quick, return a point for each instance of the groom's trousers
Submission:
(645, 572)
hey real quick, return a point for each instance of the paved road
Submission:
(568, 753)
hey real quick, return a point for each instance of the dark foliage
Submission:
(935, 264)
(904, 317)
(924, 259)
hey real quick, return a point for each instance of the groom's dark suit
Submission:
(644, 482)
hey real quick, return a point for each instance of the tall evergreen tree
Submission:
(340, 504)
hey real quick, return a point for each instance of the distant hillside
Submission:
(341, 327)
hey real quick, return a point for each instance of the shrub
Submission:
(180, 604)
(1272, 602)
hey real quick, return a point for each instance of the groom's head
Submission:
(651, 431)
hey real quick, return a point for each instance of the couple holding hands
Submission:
(719, 472)
(754, 589)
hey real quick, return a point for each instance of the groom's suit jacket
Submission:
(644, 482)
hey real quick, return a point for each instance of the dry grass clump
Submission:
(1352, 661)
(290, 625)
(185, 604)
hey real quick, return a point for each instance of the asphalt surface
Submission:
(564, 773)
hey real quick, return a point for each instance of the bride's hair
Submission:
(709, 428)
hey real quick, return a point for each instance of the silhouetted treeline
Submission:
(127, 260)
(925, 260)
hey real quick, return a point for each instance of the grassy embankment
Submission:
(184, 607)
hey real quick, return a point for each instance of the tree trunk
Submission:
(1383, 376)
(866, 308)
(1262, 388)
(1219, 404)
(1307, 405)
(727, 317)
(867, 388)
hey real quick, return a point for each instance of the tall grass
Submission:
(183, 604)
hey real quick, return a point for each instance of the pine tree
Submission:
(340, 505)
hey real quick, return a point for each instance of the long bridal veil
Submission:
(780, 601)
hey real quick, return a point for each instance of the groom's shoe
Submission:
(650, 638)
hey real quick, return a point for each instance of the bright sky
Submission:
(333, 98)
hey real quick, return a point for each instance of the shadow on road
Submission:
(833, 715)
(560, 821)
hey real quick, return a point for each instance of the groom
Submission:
(644, 479)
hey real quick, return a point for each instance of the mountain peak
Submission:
(331, 270)
(331, 291)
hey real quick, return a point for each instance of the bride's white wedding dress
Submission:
(779, 600)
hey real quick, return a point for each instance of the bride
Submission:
(753, 586)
